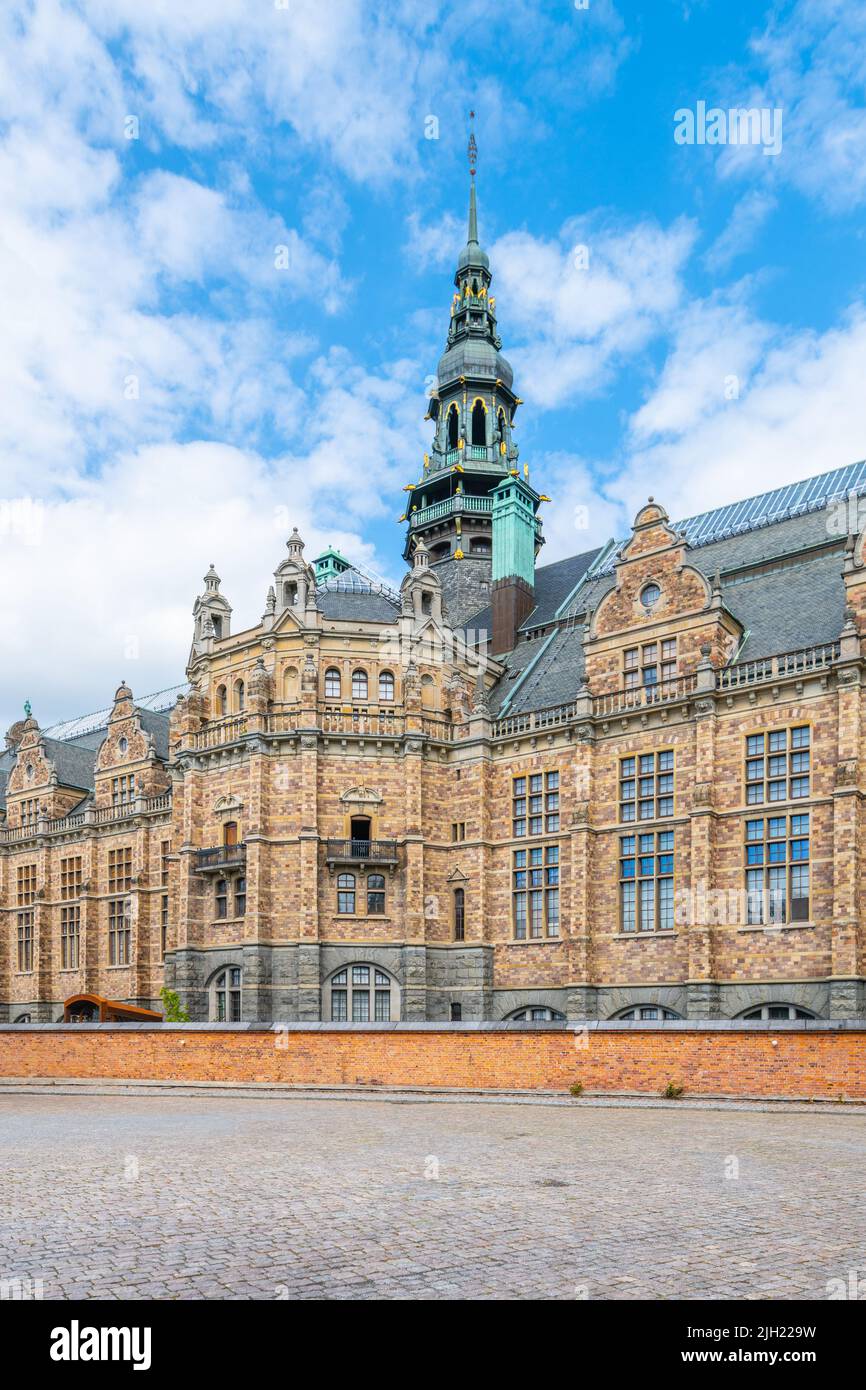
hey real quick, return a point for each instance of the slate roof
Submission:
(782, 582)
(361, 607)
(75, 758)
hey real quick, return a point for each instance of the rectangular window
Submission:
(119, 870)
(25, 942)
(26, 884)
(339, 1012)
(778, 765)
(646, 786)
(163, 926)
(360, 1006)
(70, 936)
(222, 897)
(535, 804)
(646, 881)
(123, 790)
(458, 830)
(535, 892)
(777, 870)
(70, 877)
(28, 813)
(119, 933)
(240, 896)
(383, 1006)
(164, 866)
(652, 665)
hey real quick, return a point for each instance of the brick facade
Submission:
(788, 1061)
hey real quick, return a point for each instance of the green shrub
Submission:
(576, 1088)
(173, 1013)
(672, 1091)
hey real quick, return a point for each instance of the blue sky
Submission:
(171, 396)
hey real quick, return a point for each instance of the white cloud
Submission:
(746, 221)
(809, 61)
(802, 412)
(579, 306)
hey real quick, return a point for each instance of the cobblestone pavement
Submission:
(185, 1198)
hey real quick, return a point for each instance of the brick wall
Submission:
(822, 1061)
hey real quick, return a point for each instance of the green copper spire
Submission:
(472, 150)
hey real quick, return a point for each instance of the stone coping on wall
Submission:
(680, 1025)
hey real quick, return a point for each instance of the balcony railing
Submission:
(361, 852)
(644, 696)
(220, 857)
(802, 662)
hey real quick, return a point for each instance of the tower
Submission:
(454, 504)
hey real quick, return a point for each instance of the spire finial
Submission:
(472, 151)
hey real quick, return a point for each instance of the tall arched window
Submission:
(386, 686)
(359, 685)
(346, 893)
(332, 683)
(226, 995)
(217, 626)
(479, 423)
(240, 697)
(453, 427)
(459, 914)
(222, 701)
(361, 994)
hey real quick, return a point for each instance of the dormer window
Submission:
(123, 746)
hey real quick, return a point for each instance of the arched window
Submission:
(346, 893)
(222, 701)
(361, 994)
(226, 995)
(453, 427)
(375, 895)
(240, 697)
(441, 551)
(778, 1011)
(646, 1013)
(501, 428)
(386, 686)
(459, 914)
(290, 595)
(23, 1018)
(359, 685)
(332, 683)
(217, 626)
(537, 1013)
(479, 423)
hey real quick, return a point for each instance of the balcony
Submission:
(361, 852)
(220, 858)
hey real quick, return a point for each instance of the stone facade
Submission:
(355, 810)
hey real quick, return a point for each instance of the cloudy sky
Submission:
(228, 229)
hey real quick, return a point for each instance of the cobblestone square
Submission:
(188, 1198)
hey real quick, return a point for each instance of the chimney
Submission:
(513, 570)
